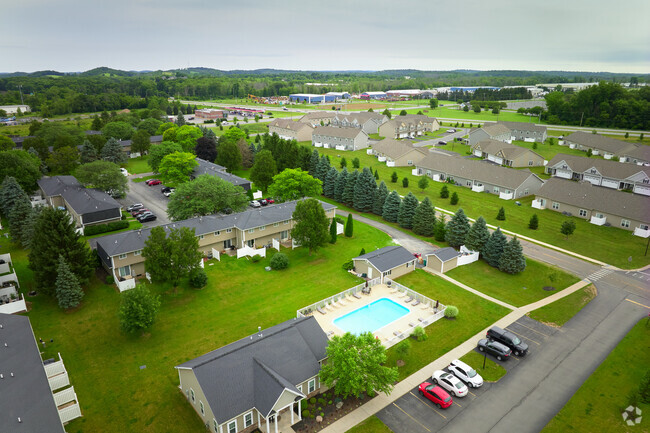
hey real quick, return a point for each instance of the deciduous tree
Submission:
(22, 166)
(176, 167)
(567, 228)
(205, 195)
(310, 224)
(118, 130)
(293, 184)
(184, 253)
(206, 148)
(102, 175)
(159, 151)
(141, 142)
(63, 160)
(263, 170)
(138, 309)
(229, 156)
(423, 183)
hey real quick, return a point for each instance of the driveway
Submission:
(151, 197)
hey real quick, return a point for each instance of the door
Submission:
(369, 272)
(227, 244)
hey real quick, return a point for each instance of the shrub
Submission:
(104, 228)
(322, 414)
(305, 413)
(109, 279)
(312, 400)
(403, 348)
(454, 199)
(279, 261)
(405, 182)
(349, 265)
(329, 402)
(444, 192)
(321, 401)
(419, 333)
(256, 258)
(198, 278)
(451, 311)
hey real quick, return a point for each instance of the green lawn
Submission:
(104, 364)
(138, 165)
(548, 152)
(598, 404)
(520, 289)
(492, 371)
(444, 334)
(562, 310)
(483, 116)
(608, 244)
(370, 425)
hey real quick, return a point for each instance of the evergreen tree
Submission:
(88, 152)
(454, 199)
(330, 182)
(322, 168)
(407, 210)
(28, 226)
(55, 234)
(349, 226)
(333, 230)
(263, 170)
(533, 224)
(405, 182)
(19, 216)
(313, 163)
(444, 192)
(343, 163)
(112, 151)
(379, 199)
(68, 290)
(393, 177)
(341, 181)
(477, 236)
(494, 248)
(424, 218)
(180, 120)
(501, 216)
(512, 260)
(440, 230)
(348, 192)
(391, 207)
(356, 163)
(97, 123)
(423, 183)
(376, 174)
(10, 193)
(364, 191)
(457, 229)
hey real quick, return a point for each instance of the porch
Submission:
(598, 219)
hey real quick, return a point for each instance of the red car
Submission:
(139, 212)
(152, 182)
(436, 394)
(270, 200)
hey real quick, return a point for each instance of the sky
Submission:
(569, 35)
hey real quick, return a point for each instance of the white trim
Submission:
(308, 385)
(229, 423)
(278, 399)
(252, 420)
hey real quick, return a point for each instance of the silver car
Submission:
(465, 373)
(449, 383)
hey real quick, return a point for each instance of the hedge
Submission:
(103, 228)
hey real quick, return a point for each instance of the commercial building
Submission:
(311, 98)
(13, 109)
(209, 113)
(373, 95)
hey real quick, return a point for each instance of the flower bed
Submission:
(322, 410)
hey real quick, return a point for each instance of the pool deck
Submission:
(389, 334)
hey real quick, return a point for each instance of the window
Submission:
(299, 387)
(409, 162)
(625, 223)
(122, 256)
(215, 425)
(248, 419)
(232, 427)
(582, 213)
(125, 270)
(202, 409)
(217, 233)
(530, 162)
(201, 237)
(643, 226)
(228, 230)
(555, 205)
(387, 273)
(137, 253)
(251, 243)
(526, 191)
(495, 189)
(286, 222)
(192, 394)
(262, 228)
(251, 230)
(311, 386)
(276, 224)
(469, 183)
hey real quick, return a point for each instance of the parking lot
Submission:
(413, 413)
(151, 197)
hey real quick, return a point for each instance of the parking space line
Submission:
(426, 403)
(521, 324)
(515, 357)
(523, 336)
(643, 305)
(457, 404)
(408, 415)
(471, 393)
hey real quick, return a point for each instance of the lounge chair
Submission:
(397, 333)
(320, 310)
(416, 302)
(342, 301)
(409, 299)
(421, 319)
(329, 333)
(356, 295)
(412, 325)
(395, 290)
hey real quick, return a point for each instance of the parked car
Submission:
(164, 189)
(442, 143)
(168, 193)
(152, 182)
(263, 202)
(465, 373)
(124, 172)
(134, 206)
(450, 383)
(498, 350)
(255, 204)
(139, 212)
(507, 338)
(437, 395)
(147, 218)
(451, 130)
(270, 200)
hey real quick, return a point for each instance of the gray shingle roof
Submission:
(207, 167)
(509, 151)
(27, 394)
(607, 168)
(362, 117)
(387, 258)
(332, 131)
(396, 148)
(317, 115)
(599, 142)
(641, 153)
(290, 124)
(253, 371)
(125, 242)
(523, 126)
(496, 129)
(596, 198)
(82, 200)
(476, 170)
(445, 254)
(416, 117)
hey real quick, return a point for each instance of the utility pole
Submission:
(20, 88)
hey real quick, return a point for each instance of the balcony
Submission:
(369, 151)
(643, 233)
(506, 195)
(416, 172)
(478, 188)
(381, 158)
(318, 144)
(537, 204)
(599, 221)
(436, 177)
(390, 163)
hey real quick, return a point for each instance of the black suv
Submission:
(518, 347)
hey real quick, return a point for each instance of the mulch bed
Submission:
(309, 425)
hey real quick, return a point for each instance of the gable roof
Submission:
(496, 129)
(509, 151)
(641, 153)
(125, 242)
(600, 142)
(82, 200)
(332, 131)
(397, 148)
(387, 258)
(477, 170)
(254, 371)
(317, 115)
(290, 124)
(362, 117)
(589, 197)
(445, 254)
(523, 126)
(607, 168)
(207, 167)
(417, 118)
(27, 394)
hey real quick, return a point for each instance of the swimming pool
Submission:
(371, 317)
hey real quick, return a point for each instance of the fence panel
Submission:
(69, 413)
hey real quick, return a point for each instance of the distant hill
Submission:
(107, 72)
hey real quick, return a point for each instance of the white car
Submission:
(451, 130)
(124, 172)
(450, 383)
(465, 373)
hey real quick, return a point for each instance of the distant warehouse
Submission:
(373, 95)
(312, 98)
(209, 113)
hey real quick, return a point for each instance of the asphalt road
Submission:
(151, 198)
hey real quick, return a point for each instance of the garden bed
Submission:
(326, 404)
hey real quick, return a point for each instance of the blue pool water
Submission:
(371, 317)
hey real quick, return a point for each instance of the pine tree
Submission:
(68, 290)
(349, 226)
(477, 236)
(19, 216)
(379, 199)
(407, 211)
(344, 162)
(88, 152)
(348, 192)
(330, 182)
(501, 216)
(394, 177)
(112, 151)
(28, 226)
(322, 168)
(424, 218)
(333, 230)
(440, 230)
(454, 199)
(512, 260)
(313, 163)
(180, 120)
(391, 207)
(405, 182)
(341, 181)
(494, 248)
(10, 193)
(457, 229)
(364, 191)
(533, 224)
(376, 174)
(444, 192)
(423, 183)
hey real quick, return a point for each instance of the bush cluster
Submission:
(279, 261)
(198, 278)
(451, 311)
(104, 228)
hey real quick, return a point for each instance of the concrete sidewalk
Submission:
(382, 400)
